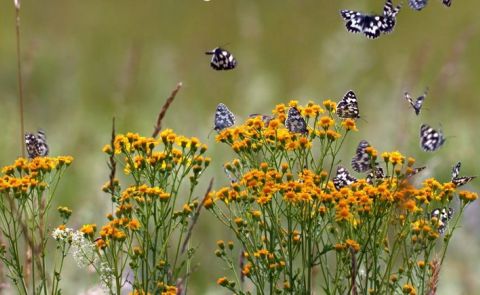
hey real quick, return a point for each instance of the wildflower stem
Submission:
(19, 76)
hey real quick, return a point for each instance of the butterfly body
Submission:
(221, 59)
(430, 139)
(343, 178)
(372, 26)
(348, 106)
(36, 145)
(224, 118)
(295, 123)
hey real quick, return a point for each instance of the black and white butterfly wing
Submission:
(459, 181)
(41, 145)
(295, 122)
(416, 104)
(447, 3)
(417, 170)
(354, 20)
(221, 59)
(348, 106)
(389, 10)
(417, 4)
(373, 25)
(376, 173)
(36, 145)
(224, 118)
(430, 139)
(361, 160)
(343, 178)
(443, 216)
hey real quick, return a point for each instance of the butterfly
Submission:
(223, 118)
(361, 161)
(376, 173)
(265, 118)
(221, 59)
(343, 178)
(447, 3)
(430, 139)
(295, 122)
(443, 216)
(36, 144)
(459, 181)
(416, 171)
(371, 25)
(230, 175)
(348, 106)
(417, 4)
(416, 104)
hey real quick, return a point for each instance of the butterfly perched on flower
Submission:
(361, 161)
(265, 118)
(36, 144)
(430, 139)
(417, 103)
(343, 178)
(443, 216)
(223, 118)
(221, 59)
(371, 25)
(348, 106)
(376, 173)
(459, 181)
(295, 123)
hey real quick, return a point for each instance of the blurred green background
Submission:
(87, 61)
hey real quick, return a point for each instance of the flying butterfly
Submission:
(221, 59)
(343, 178)
(372, 26)
(459, 181)
(348, 106)
(430, 139)
(224, 118)
(443, 216)
(417, 4)
(416, 104)
(415, 171)
(36, 144)
(361, 161)
(295, 123)
(420, 4)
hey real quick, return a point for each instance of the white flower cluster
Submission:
(106, 276)
(62, 234)
(83, 251)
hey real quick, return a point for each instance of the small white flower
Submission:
(62, 234)
(83, 251)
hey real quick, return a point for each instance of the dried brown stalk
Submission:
(165, 107)
(19, 75)
(353, 287)
(195, 216)
(433, 283)
(112, 162)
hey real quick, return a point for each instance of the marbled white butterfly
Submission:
(447, 3)
(375, 173)
(221, 59)
(371, 25)
(416, 104)
(417, 4)
(443, 216)
(415, 171)
(36, 144)
(348, 106)
(343, 178)
(295, 123)
(223, 118)
(430, 139)
(459, 181)
(361, 161)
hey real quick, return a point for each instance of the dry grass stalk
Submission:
(158, 126)
(195, 216)
(112, 162)
(19, 75)
(433, 283)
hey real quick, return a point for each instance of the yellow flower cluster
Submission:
(257, 132)
(28, 174)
